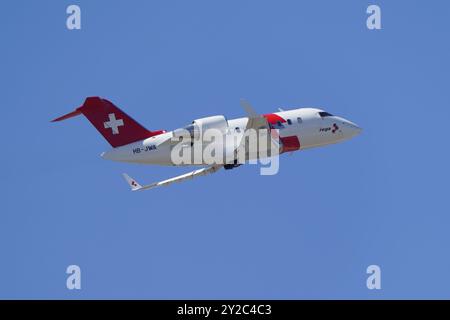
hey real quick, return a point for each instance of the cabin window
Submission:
(299, 120)
(289, 121)
(237, 129)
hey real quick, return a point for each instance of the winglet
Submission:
(132, 183)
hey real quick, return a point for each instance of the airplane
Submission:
(288, 130)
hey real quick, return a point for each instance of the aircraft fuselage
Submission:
(298, 129)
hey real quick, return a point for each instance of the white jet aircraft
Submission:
(293, 130)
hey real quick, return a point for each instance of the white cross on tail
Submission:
(113, 123)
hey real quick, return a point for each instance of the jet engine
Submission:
(198, 126)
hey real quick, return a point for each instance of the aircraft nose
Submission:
(352, 129)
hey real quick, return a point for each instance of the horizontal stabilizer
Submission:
(67, 116)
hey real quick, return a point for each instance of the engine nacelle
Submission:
(199, 126)
(216, 122)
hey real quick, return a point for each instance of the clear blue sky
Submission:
(308, 232)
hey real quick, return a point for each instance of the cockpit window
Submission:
(324, 114)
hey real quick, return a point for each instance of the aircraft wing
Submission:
(135, 186)
(255, 121)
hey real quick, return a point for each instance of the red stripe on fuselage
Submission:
(291, 143)
(273, 118)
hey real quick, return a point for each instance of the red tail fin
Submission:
(115, 125)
